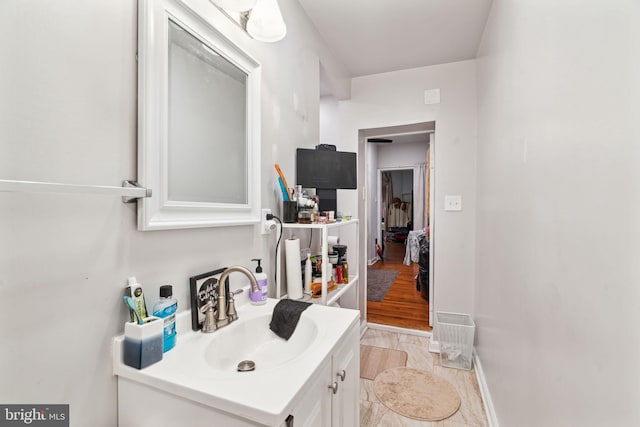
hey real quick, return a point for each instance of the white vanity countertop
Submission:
(265, 396)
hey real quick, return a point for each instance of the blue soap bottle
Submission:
(166, 309)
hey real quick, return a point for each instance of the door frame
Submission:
(367, 192)
(432, 210)
(413, 170)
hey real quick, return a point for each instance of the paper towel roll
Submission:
(294, 268)
(333, 240)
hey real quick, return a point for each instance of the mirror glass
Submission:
(198, 120)
(207, 123)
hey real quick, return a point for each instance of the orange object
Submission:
(284, 180)
(316, 288)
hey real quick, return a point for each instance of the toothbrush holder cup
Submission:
(143, 343)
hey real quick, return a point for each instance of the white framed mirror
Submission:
(198, 122)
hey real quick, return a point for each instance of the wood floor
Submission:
(402, 306)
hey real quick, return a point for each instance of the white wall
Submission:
(558, 232)
(68, 114)
(403, 154)
(402, 184)
(397, 98)
(330, 126)
(329, 121)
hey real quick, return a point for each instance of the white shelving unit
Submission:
(352, 256)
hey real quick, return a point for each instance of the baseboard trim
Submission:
(373, 260)
(363, 329)
(489, 409)
(398, 329)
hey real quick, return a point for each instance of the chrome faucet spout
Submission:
(222, 317)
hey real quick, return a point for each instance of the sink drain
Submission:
(246, 366)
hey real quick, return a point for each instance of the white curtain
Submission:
(421, 197)
(387, 197)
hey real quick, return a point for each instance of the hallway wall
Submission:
(402, 182)
(404, 155)
(558, 214)
(397, 98)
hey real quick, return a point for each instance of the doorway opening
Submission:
(399, 216)
(395, 204)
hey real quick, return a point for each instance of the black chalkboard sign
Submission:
(204, 287)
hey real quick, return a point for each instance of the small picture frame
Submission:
(204, 287)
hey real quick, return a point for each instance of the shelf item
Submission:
(316, 288)
(335, 294)
(327, 296)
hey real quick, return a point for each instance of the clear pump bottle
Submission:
(259, 298)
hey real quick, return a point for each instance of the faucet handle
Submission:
(206, 307)
(209, 324)
(231, 310)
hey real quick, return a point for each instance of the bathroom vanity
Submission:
(310, 380)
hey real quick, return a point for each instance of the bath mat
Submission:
(416, 394)
(374, 360)
(379, 282)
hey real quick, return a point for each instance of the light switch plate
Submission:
(452, 203)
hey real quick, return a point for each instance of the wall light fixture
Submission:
(265, 22)
(261, 19)
(235, 5)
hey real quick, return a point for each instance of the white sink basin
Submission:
(202, 367)
(252, 340)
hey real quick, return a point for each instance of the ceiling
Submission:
(377, 36)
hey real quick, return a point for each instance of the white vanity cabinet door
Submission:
(346, 372)
(320, 405)
(315, 408)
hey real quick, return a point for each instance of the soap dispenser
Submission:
(258, 298)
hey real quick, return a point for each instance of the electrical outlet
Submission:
(266, 226)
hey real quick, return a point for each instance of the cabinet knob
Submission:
(342, 374)
(289, 421)
(334, 387)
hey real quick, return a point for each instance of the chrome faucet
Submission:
(224, 317)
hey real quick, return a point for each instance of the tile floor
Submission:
(375, 414)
